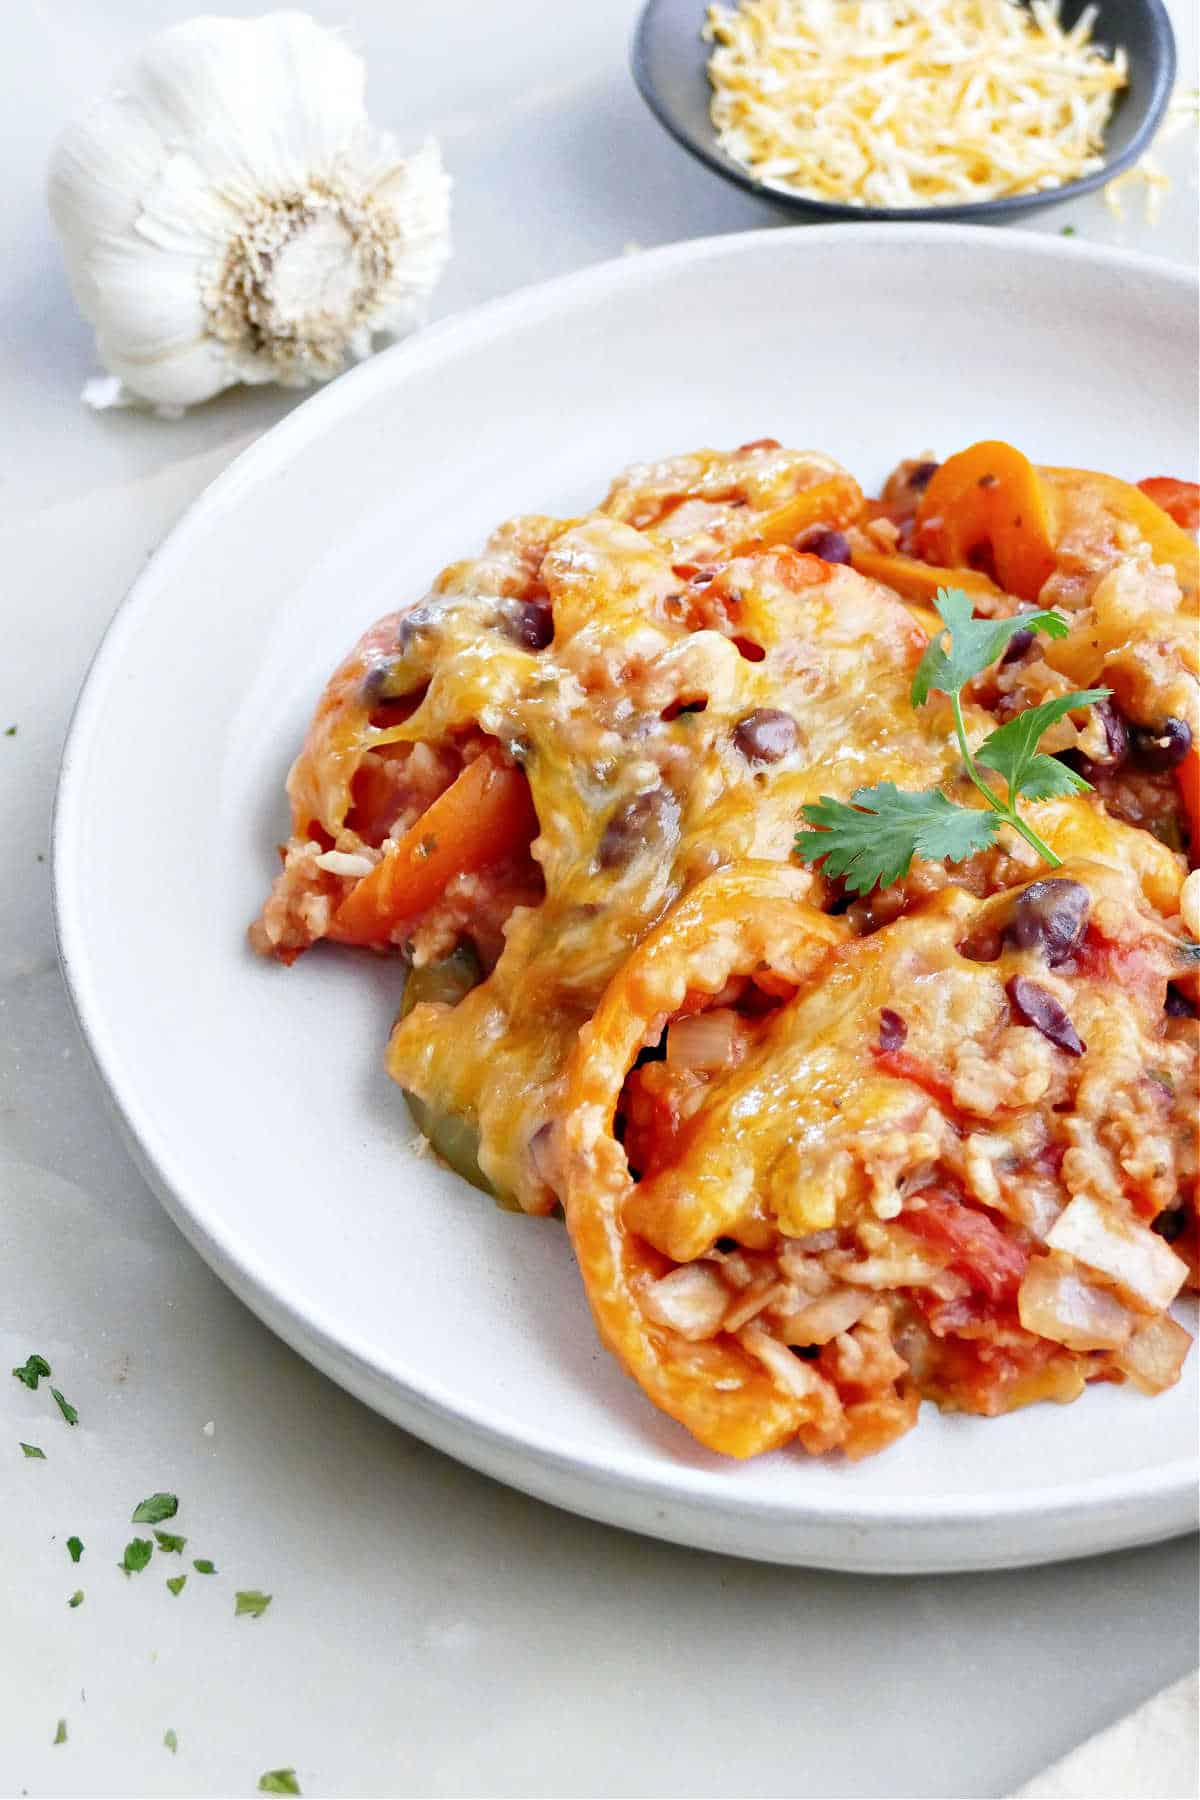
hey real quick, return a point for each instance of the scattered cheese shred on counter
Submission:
(1148, 174)
(910, 102)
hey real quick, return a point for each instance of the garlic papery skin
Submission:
(228, 214)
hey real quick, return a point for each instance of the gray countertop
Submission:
(430, 1632)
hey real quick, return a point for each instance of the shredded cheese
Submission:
(1148, 174)
(910, 102)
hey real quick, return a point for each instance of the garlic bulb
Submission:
(228, 214)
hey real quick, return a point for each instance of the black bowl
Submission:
(670, 66)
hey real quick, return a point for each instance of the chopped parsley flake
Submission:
(278, 1781)
(70, 1413)
(32, 1450)
(154, 1509)
(1068, 231)
(75, 1547)
(138, 1552)
(60, 1736)
(175, 1583)
(76, 1598)
(34, 1368)
(171, 1741)
(203, 1566)
(11, 731)
(167, 1540)
(252, 1601)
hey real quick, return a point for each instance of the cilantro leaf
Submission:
(872, 843)
(138, 1552)
(75, 1548)
(278, 1781)
(69, 1412)
(60, 1736)
(203, 1566)
(170, 1740)
(974, 643)
(32, 1371)
(167, 1540)
(252, 1601)
(1012, 749)
(33, 1450)
(175, 1583)
(154, 1509)
(76, 1598)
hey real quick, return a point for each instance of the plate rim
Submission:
(343, 1353)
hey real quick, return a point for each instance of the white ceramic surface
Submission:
(254, 1097)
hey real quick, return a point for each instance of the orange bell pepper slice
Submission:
(482, 816)
(1180, 500)
(917, 582)
(1169, 545)
(989, 497)
(834, 503)
(1188, 777)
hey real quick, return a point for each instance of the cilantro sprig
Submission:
(872, 841)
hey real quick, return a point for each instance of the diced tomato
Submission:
(652, 1105)
(907, 1067)
(979, 1250)
(1180, 500)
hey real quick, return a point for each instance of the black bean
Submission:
(806, 1352)
(766, 735)
(1171, 1224)
(636, 823)
(1050, 916)
(1037, 1006)
(920, 477)
(1018, 644)
(892, 1029)
(1177, 1005)
(1161, 747)
(726, 1244)
(529, 623)
(830, 546)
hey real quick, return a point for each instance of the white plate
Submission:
(254, 1096)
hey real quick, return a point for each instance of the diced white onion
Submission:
(800, 1378)
(704, 1041)
(691, 1300)
(1134, 1258)
(1154, 1355)
(823, 1319)
(1055, 1302)
(343, 862)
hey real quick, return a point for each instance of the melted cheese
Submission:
(910, 102)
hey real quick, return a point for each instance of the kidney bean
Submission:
(1036, 1006)
(892, 1030)
(1116, 740)
(635, 824)
(1177, 1005)
(530, 623)
(417, 621)
(766, 735)
(920, 477)
(1018, 644)
(830, 546)
(1163, 746)
(1050, 916)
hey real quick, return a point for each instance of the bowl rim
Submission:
(1164, 69)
